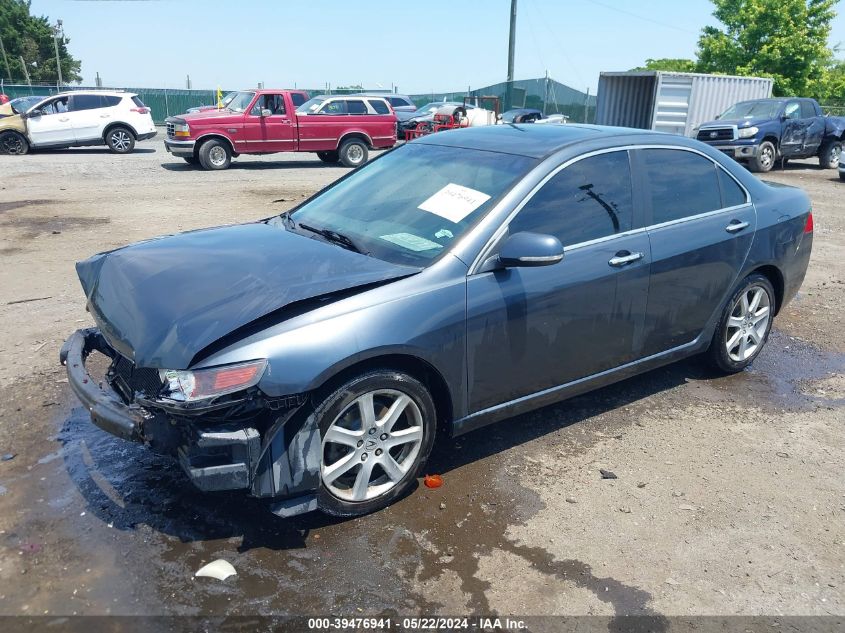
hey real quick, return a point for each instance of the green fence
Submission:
(163, 102)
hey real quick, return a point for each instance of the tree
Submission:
(782, 39)
(670, 64)
(31, 37)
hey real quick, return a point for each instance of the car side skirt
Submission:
(577, 387)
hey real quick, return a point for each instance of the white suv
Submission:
(74, 119)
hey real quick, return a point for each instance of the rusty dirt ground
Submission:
(730, 497)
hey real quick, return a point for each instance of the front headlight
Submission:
(188, 386)
(747, 132)
(181, 129)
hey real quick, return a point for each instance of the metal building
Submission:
(670, 101)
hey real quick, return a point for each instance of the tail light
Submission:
(141, 110)
(808, 227)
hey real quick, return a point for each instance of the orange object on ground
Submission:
(433, 481)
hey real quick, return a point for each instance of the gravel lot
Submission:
(730, 495)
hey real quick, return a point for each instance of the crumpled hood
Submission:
(162, 301)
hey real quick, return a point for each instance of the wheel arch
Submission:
(359, 134)
(410, 364)
(115, 124)
(214, 135)
(775, 277)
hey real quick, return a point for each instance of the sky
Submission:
(418, 46)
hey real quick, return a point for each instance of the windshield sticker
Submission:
(411, 242)
(454, 202)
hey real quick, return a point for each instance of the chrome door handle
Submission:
(105, 116)
(736, 226)
(621, 260)
(65, 120)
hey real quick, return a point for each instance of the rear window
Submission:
(356, 107)
(137, 101)
(398, 102)
(298, 99)
(379, 106)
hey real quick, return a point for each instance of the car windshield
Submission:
(414, 202)
(240, 101)
(428, 108)
(765, 109)
(22, 104)
(310, 106)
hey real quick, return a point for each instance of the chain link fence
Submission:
(544, 94)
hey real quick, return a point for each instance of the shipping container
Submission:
(669, 101)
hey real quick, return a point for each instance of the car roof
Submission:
(539, 141)
(108, 93)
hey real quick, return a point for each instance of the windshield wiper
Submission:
(337, 238)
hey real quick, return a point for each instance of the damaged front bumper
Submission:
(216, 453)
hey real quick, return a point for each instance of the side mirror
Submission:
(529, 250)
(716, 118)
(266, 112)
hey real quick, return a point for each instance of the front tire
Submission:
(353, 153)
(829, 154)
(765, 158)
(215, 154)
(744, 325)
(13, 144)
(120, 140)
(377, 431)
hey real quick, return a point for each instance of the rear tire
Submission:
(13, 144)
(829, 154)
(215, 154)
(765, 158)
(353, 153)
(120, 140)
(744, 325)
(328, 157)
(366, 461)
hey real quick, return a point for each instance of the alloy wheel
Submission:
(120, 140)
(747, 324)
(370, 447)
(767, 157)
(11, 145)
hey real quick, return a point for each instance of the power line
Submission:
(642, 17)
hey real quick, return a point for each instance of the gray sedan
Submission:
(311, 358)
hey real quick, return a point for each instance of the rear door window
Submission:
(588, 200)
(379, 106)
(356, 107)
(680, 184)
(398, 102)
(111, 101)
(807, 110)
(333, 107)
(86, 102)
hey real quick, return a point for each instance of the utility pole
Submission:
(56, 30)
(5, 59)
(511, 50)
(26, 72)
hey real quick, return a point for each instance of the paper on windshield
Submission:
(454, 202)
(411, 242)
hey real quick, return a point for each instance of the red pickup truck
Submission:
(338, 128)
